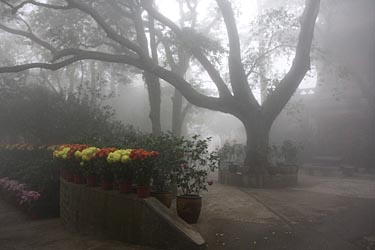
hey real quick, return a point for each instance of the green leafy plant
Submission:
(198, 163)
(232, 152)
(284, 154)
(168, 162)
(122, 165)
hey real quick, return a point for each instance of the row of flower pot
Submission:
(94, 181)
(185, 165)
(188, 206)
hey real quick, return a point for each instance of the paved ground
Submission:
(322, 213)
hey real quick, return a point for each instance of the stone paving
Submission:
(355, 187)
(322, 213)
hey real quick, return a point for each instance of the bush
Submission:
(34, 167)
(37, 115)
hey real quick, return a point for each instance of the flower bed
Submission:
(29, 179)
(17, 194)
(107, 164)
(177, 163)
(187, 168)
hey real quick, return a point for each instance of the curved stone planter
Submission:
(279, 180)
(124, 217)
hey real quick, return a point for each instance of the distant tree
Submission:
(234, 97)
(349, 56)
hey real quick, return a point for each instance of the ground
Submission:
(322, 213)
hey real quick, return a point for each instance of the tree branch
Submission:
(262, 56)
(111, 33)
(174, 79)
(53, 66)
(237, 74)
(50, 6)
(301, 64)
(212, 72)
(31, 36)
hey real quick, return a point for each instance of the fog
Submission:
(264, 110)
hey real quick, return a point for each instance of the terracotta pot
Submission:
(163, 197)
(78, 179)
(125, 187)
(69, 176)
(233, 168)
(34, 215)
(189, 207)
(273, 170)
(143, 191)
(91, 180)
(107, 184)
(134, 188)
(63, 174)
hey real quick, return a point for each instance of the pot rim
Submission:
(163, 192)
(190, 196)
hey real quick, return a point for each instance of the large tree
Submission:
(234, 97)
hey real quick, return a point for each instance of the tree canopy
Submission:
(123, 32)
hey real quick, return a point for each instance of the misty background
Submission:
(331, 113)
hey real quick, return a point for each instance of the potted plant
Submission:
(89, 168)
(165, 166)
(122, 168)
(144, 165)
(283, 158)
(104, 167)
(70, 164)
(192, 177)
(61, 155)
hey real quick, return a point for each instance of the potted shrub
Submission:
(144, 165)
(284, 158)
(104, 167)
(192, 177)
(165, 166)
(70, 166)
(89, 168)
(122, 168)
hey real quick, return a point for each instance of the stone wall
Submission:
(124, 217)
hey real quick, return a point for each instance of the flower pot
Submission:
(69, 176)
(273, 170)
(143, 191)
(189, 207)
(91, 180)
(107, 184)
(125, 187)
(163, 197)
(78, 179)
(233, 168)
(63, 174)
(134, 188)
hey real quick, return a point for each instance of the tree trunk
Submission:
(151, 80)
(154, 97)
(93, 83)
(256, 160)
(176, 113)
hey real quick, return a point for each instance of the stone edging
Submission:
(124, 217)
